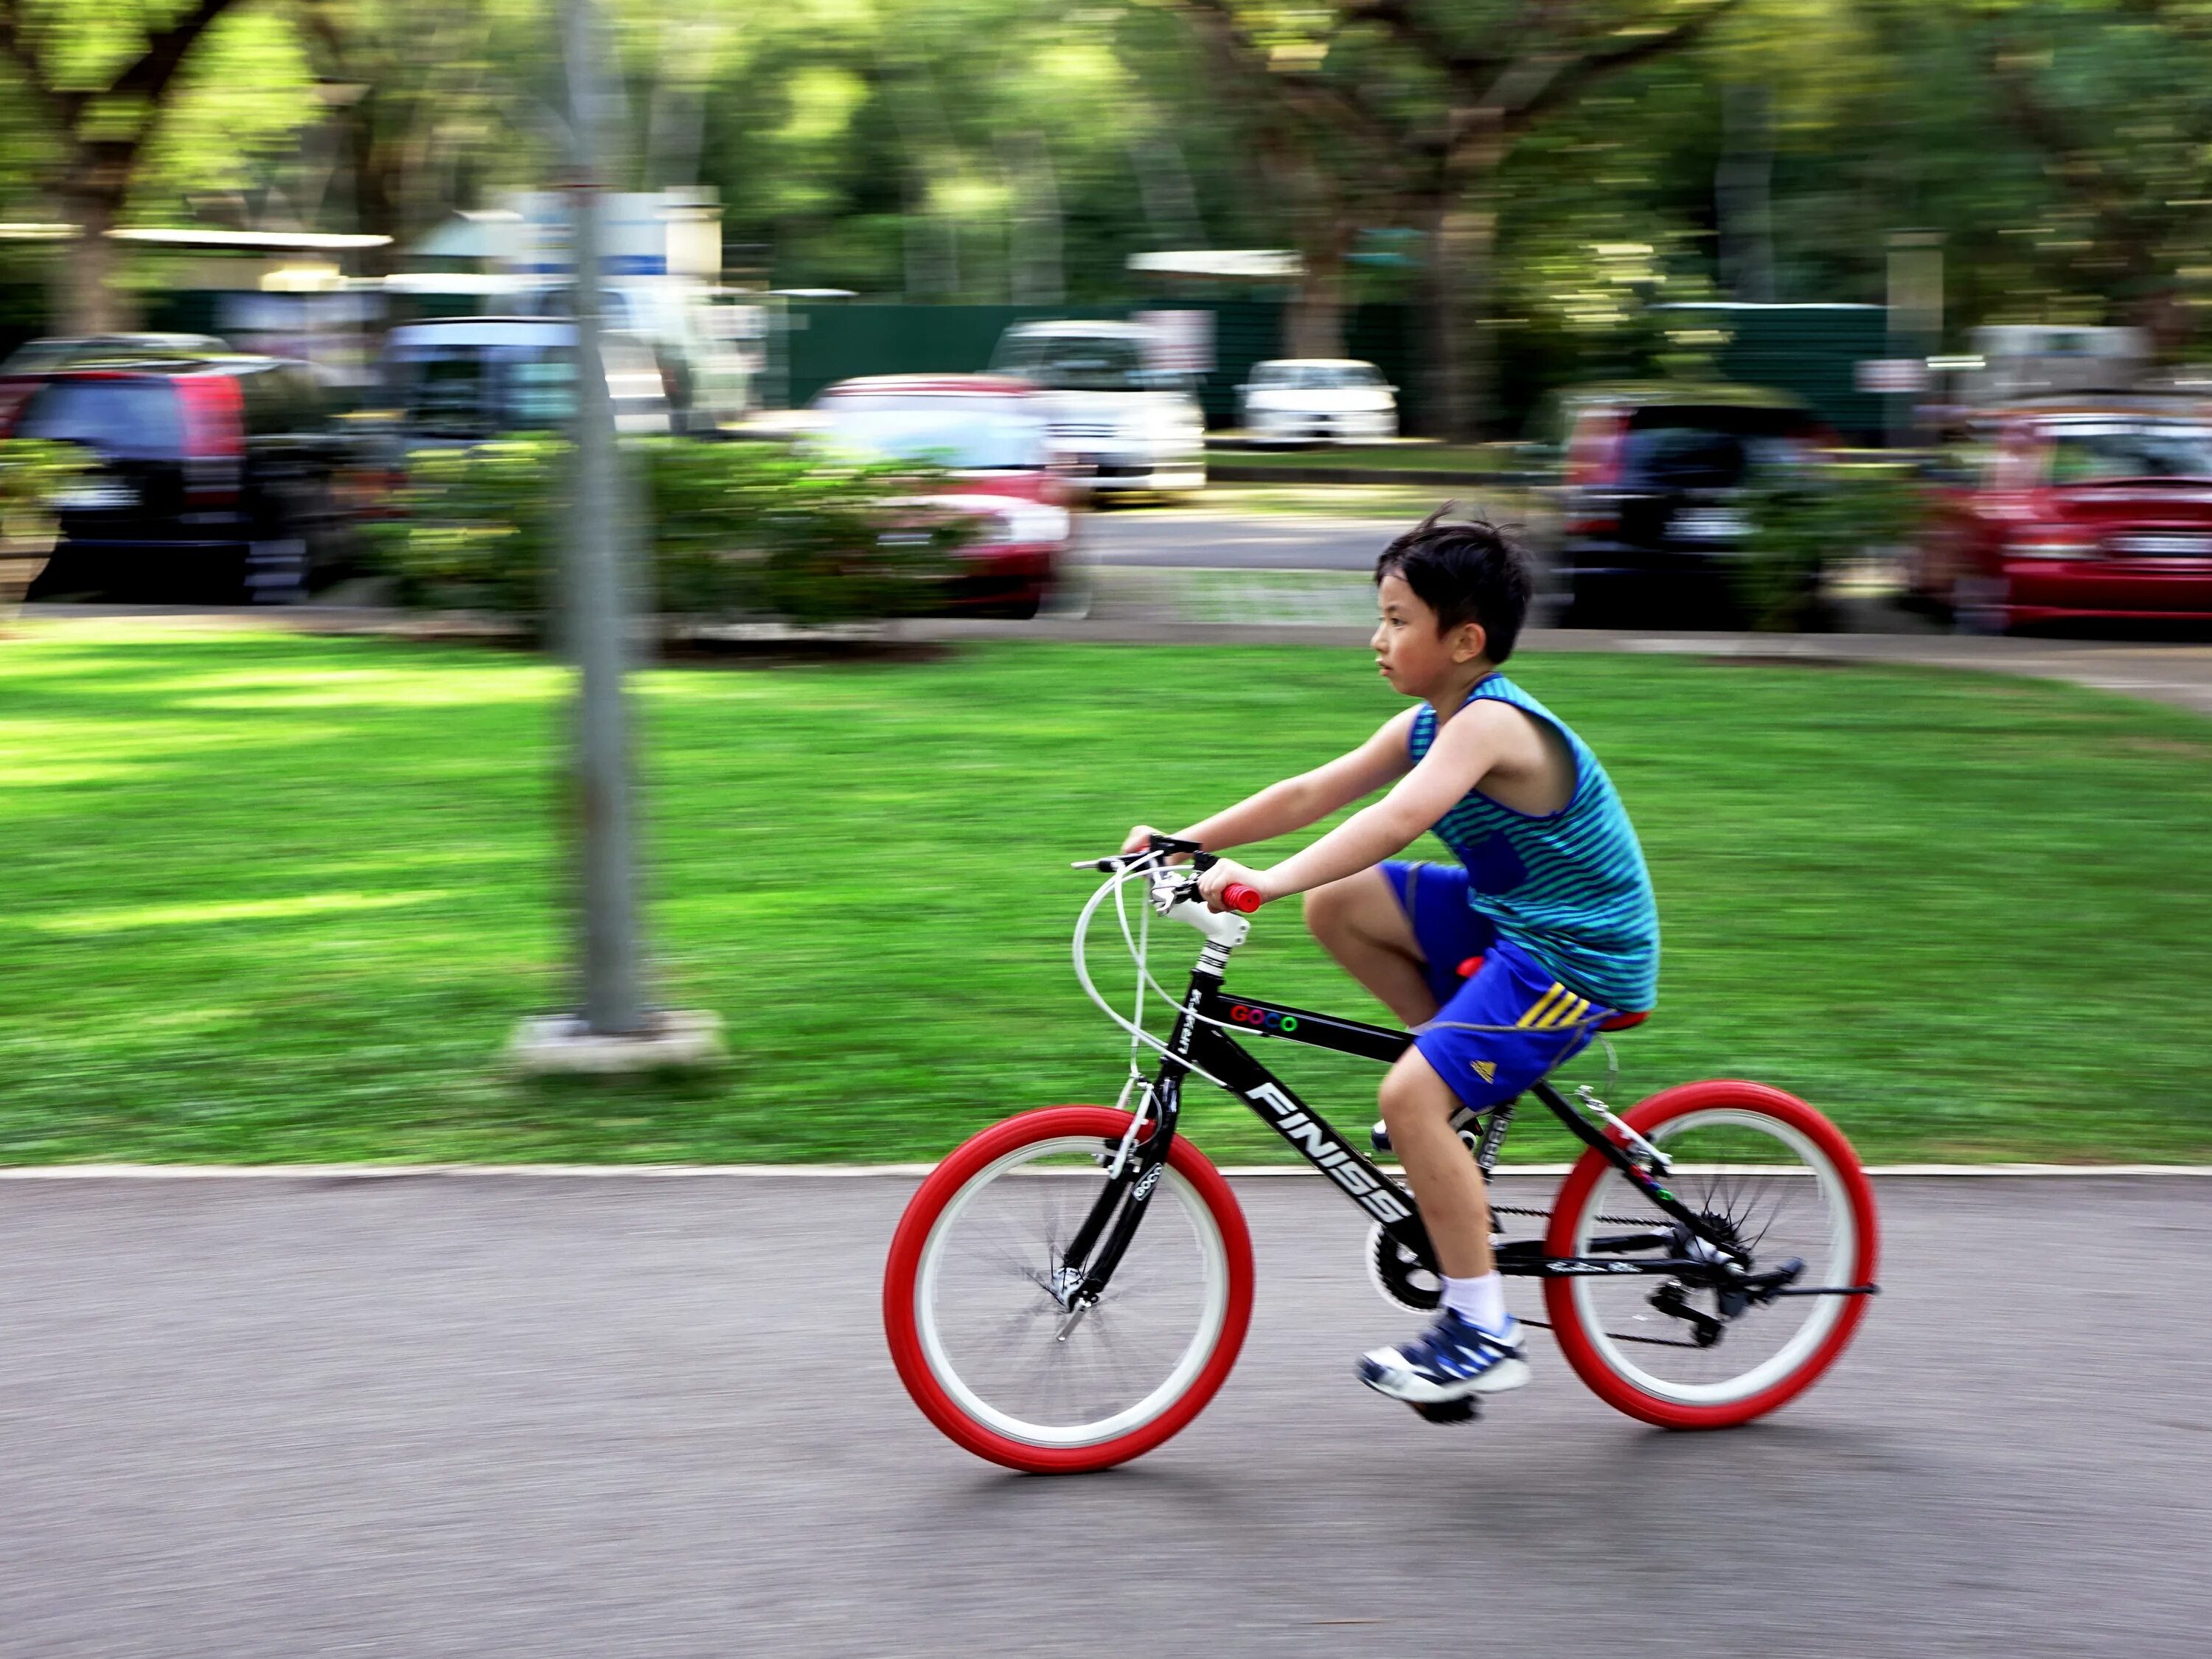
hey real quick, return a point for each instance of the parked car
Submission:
(213, 476)
(454, 381)
(462, 380)
(20, 374)
(2074, 508)
(1318, 400)
(1651, 498)
(698, 341)
(990, 432)
(1123, 426)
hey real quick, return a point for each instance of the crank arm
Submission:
(1825, 1290)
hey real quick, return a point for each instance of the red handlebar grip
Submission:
(1237, 896)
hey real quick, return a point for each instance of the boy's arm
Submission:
(1297, 802)
(1464, 752)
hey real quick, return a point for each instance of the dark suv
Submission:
(1651, 510)
(212, 478)
(27, 366)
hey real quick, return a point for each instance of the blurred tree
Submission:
(438, 105)
(1445, 88)
(2108, 97)
(967, 150)
(102, 75)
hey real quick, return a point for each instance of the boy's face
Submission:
(1409, 653)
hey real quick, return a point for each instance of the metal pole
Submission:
(595, 592)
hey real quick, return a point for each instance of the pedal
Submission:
(1451, 1411)
(1463, 1124)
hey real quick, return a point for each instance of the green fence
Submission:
(1812, 350)
(835, 340)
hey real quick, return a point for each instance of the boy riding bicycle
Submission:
(1550, 896)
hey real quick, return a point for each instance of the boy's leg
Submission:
(1474, 1346)
(1360, 921)
(1417, 1106)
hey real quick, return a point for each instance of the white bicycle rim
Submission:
(1214, 1256)
(1841, 1256)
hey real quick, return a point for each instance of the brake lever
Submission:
(1107, 866)
(1160, 847)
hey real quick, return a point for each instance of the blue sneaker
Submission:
(1456, 1359)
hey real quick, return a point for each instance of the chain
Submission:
(1609, 1220)
(1622, 1336)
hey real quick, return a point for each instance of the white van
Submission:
(1119, 423)
(464, 379)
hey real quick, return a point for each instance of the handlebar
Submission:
(1236, 895)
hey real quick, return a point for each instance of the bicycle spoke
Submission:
(996, 1310)
(1761, 1194)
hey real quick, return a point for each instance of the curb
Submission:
(365, 1172)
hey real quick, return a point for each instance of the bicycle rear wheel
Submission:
(1776, 1177)
(978, 1331)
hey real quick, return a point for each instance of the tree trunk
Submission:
(84, 297)
(1313, 322)
(1741, 203)
(376, 184)
(1462, 281)
(1462, 344)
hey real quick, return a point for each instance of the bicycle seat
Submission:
(1472, 966)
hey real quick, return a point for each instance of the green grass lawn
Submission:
(274, 898)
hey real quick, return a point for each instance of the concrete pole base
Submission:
(560, 1044)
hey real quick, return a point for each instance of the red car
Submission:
(990, 432)
(2080, 508)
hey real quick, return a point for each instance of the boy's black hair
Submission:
(1464, 572)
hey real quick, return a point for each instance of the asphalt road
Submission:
(553, 1417)
(1178, 539)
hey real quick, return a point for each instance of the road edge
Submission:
(352, 1172)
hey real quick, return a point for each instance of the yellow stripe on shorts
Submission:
(1567, 1012)
(1538, 1014)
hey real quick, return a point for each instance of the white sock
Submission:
(1481, 1300)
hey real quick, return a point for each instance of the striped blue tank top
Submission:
(1568, 888)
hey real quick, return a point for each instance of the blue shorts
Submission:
(1498, 1032)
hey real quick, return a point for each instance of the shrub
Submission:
(33, 475)
(1806, 520)
(728, 529)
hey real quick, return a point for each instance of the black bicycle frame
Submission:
(1200, 1042)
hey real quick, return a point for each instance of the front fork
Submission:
(1104, 1238)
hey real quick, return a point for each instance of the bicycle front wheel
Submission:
(972, 1298)
(1768, 1173)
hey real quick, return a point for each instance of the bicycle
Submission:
(1047, 1311)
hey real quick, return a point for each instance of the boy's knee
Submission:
(1406, 1094)
(1327, 911)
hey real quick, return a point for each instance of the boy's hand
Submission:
(1226, 871)
(1139, 838)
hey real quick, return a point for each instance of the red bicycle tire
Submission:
(901, 1271)
(1565, 1313)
